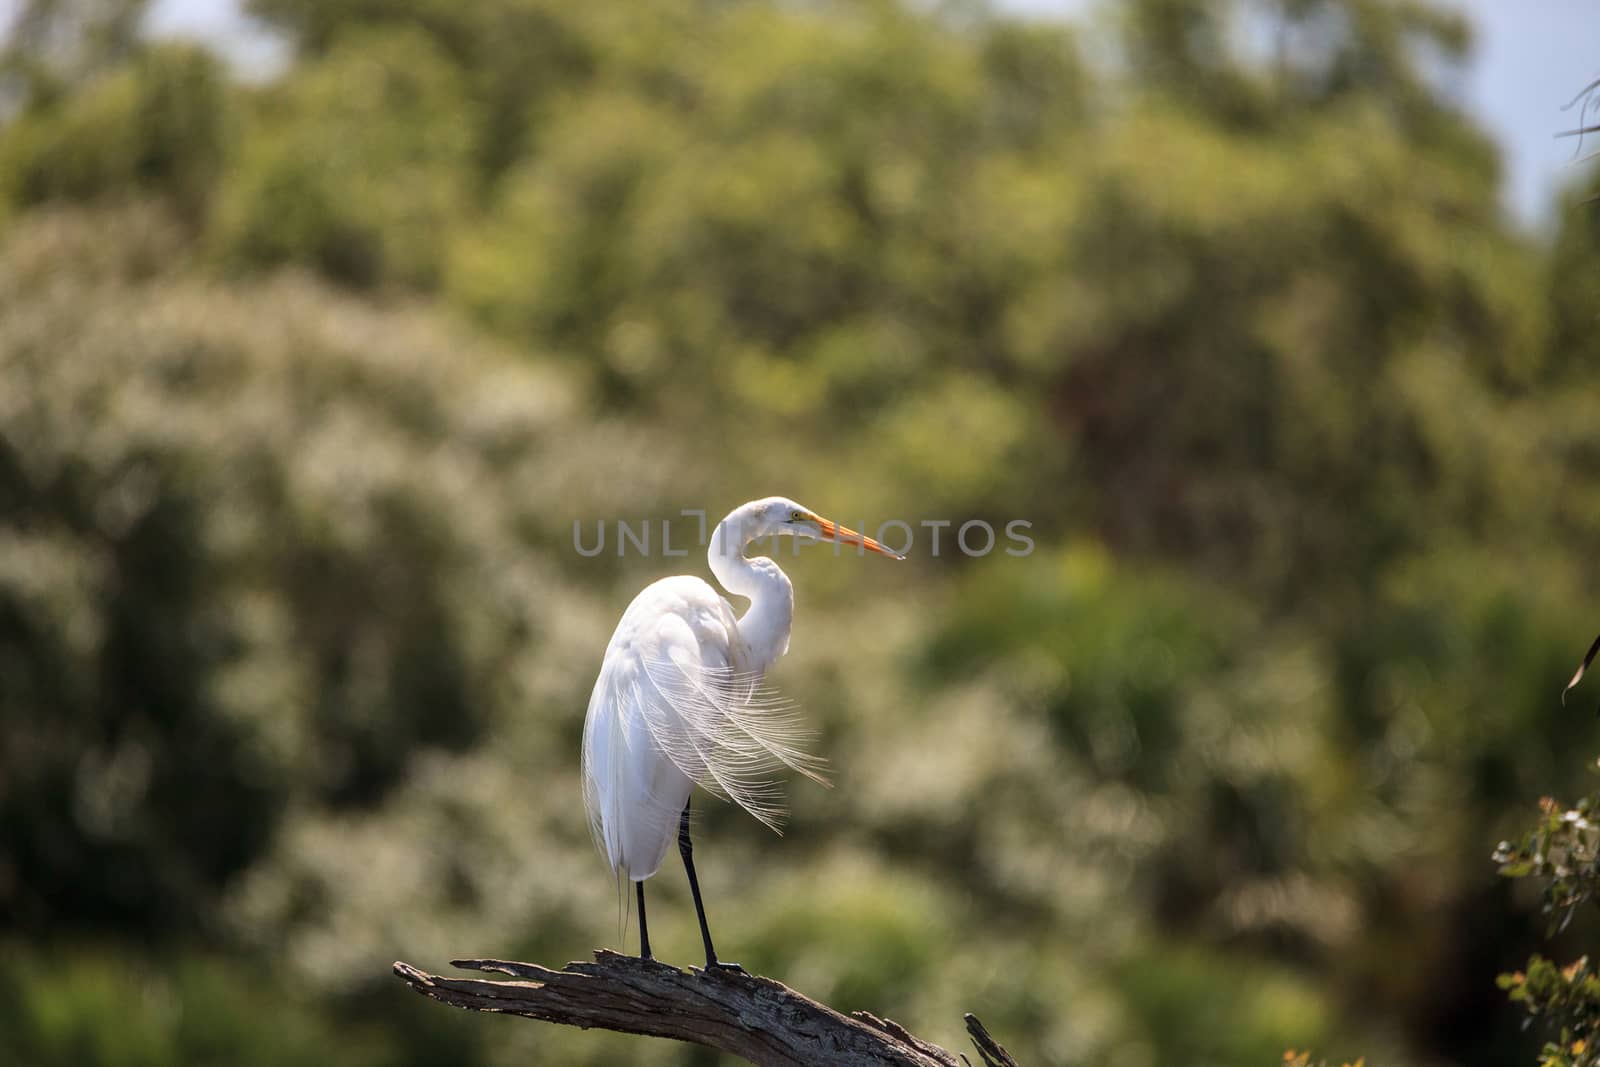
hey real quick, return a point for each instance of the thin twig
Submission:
(1585, 91)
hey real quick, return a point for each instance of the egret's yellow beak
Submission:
(832, 531)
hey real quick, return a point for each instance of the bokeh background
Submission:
(306, 376)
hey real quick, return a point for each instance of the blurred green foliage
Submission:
(358, 166)
(160, 122)
(303, 385)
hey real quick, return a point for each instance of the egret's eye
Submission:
(798, 516)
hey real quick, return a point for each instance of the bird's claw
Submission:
(720, 965)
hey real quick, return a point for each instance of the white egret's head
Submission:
(779, 515)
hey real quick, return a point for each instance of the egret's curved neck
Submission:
(764, 626)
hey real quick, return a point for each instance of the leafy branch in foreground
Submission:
(1569, 998)
(1296, 1058)
(1562, 849)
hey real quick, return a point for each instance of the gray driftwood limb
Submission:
(759, 1019)
(993, 1054)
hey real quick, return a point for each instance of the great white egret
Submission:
(680, 701)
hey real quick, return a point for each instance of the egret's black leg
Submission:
(644, 931)
(686, 848)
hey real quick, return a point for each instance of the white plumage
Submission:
(678, 703)
(680, 700)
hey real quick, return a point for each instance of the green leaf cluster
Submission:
(1562, 854)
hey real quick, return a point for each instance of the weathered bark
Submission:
(759, 1019)
(993, 1054)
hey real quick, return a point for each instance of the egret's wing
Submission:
(605, 750)
(726, 730)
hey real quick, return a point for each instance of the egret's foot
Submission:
(715, 964)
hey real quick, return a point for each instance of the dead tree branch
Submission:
(994, 1055)
(759, 1019)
